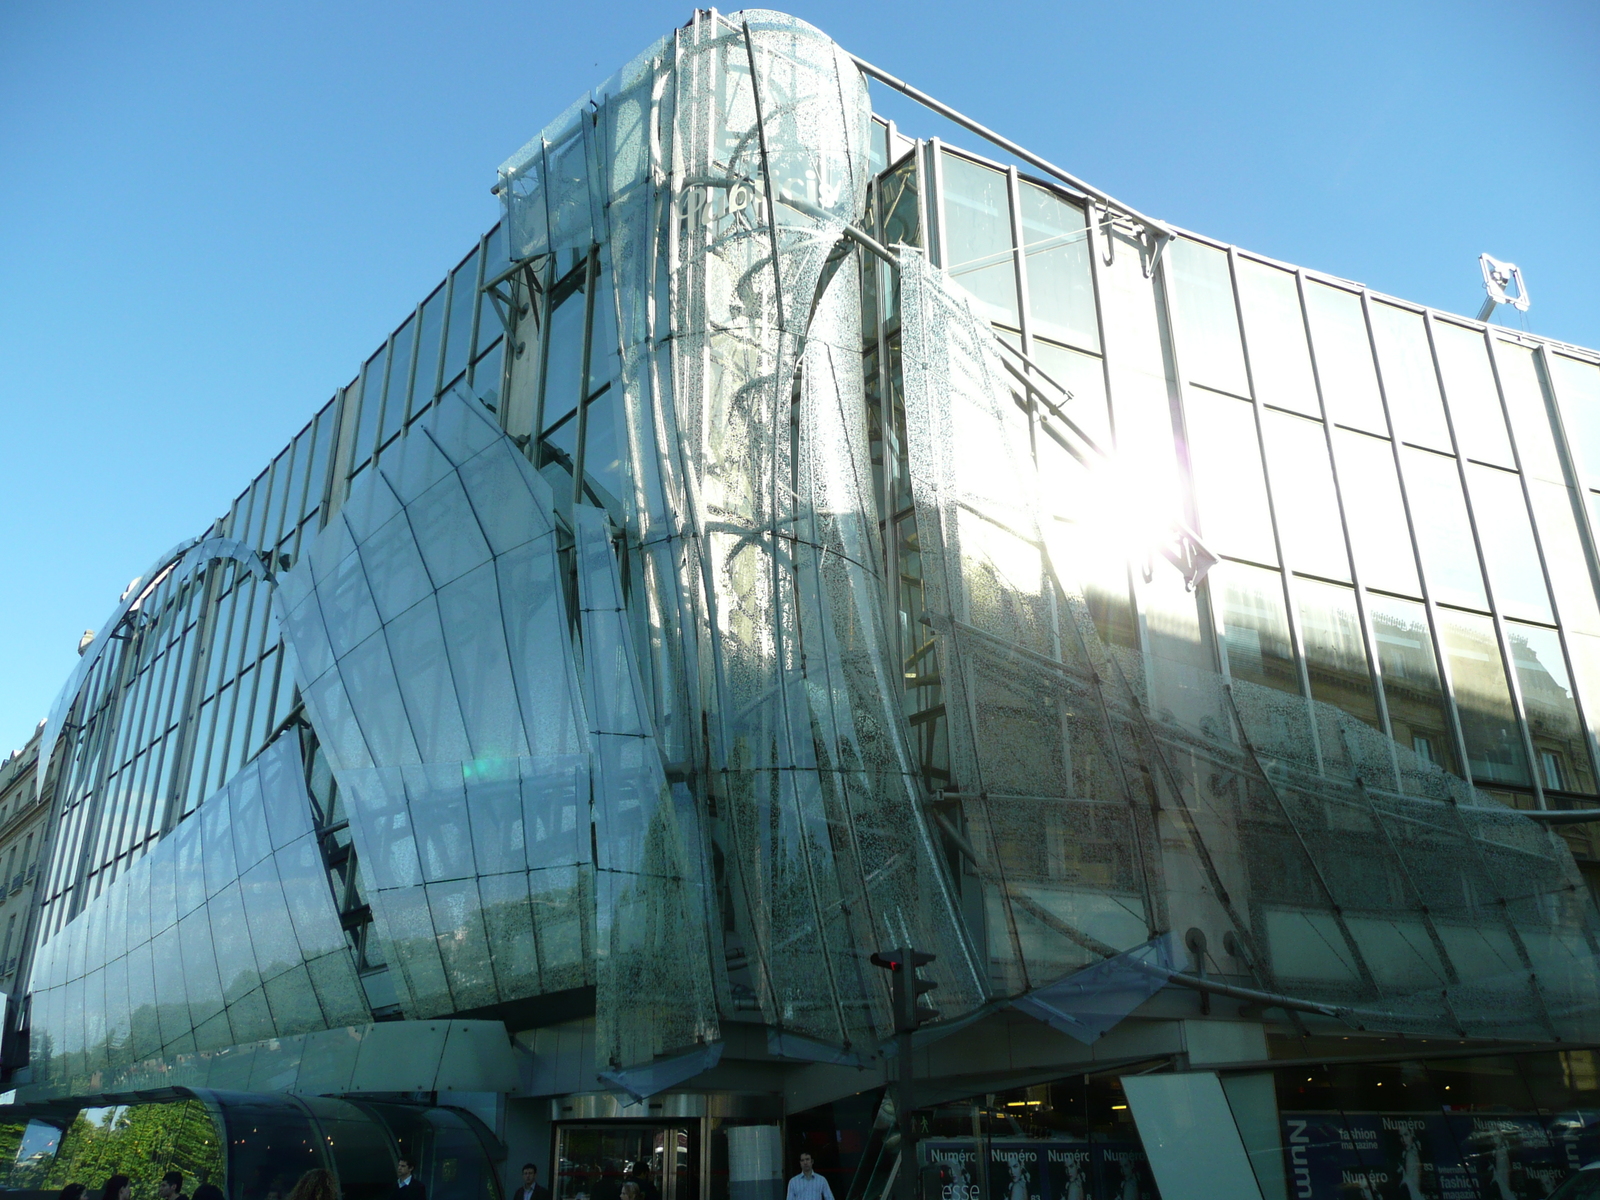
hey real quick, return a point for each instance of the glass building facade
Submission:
(780, 540)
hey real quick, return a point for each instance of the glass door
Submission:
(596, 1162)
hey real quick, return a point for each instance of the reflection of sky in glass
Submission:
(38, 1138)
(1280, 358)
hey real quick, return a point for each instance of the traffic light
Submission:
(910, 1010)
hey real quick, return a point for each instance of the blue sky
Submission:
(210, 214)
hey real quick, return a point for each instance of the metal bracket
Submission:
(1496, 275)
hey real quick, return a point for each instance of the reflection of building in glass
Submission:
(780, 540)
(24, 825)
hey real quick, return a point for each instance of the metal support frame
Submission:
(1159, 233)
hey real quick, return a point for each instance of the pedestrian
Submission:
(531, 1188)
(208, 1191)
(406, 1185)
(630, 1190)
(171, 1186)
(118, 1187)
(808, 1185)
(73, 1191)
(319, 1183)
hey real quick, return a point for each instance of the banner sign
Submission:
(1435, 1156)
(1019, 1169)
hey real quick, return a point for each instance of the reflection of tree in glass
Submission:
(10, 1142)
(143, 1141)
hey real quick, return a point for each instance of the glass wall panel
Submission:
(1379, 537)
(1336, 653)
(1556, 513)
(1084, 376)
(1208, 347)
(1577, 388)
(1470, 391)
(368, 393)
(1559, 742)
(977, 222)
(565, 361)
(604, 346)
(1060, 289)
(1304, 497)
(1230, 492)
(1344, 358)
(1522, 383)
(427, 376)
(1280, 358)
(1508, 546)
(1444, 534)
(458, 337)
(394, 405)
(1255, 625)
(1409, 380)
(1410, 675)
(1483, 701)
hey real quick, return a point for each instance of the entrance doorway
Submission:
(593, 1161)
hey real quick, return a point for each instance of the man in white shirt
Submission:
(406, 1185)
(531, 1188)
(808, 1185)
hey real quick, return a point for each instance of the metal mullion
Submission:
(1544, 569)
(383, 398)
(152, 719)
(885, 498)
(477, 307)
(444, 336)
(1095, 267)
(145, 698)
(411, 368)
(1159, 280)
(237, 668)
(934, 204)
(120, 788)
(184, 739)
(546, 310)
(591, 286)
(256, 659)
(90, 821)
(1441, 659)
(1369, 634)
(344, 428)
(1508, 663)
